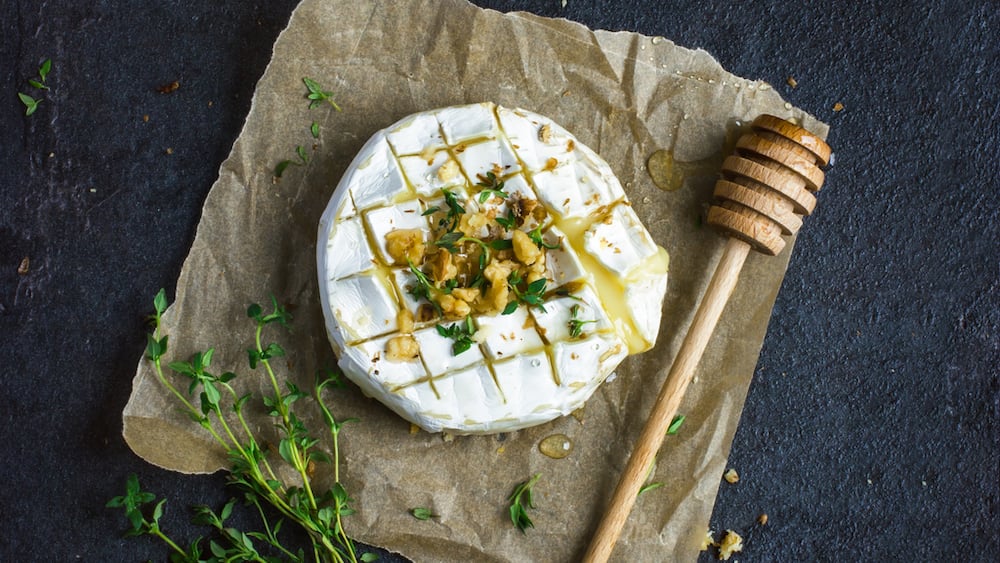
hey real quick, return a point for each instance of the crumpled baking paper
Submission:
(623, 94)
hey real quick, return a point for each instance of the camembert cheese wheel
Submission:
(482, 271)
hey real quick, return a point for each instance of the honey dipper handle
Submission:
(720, 288)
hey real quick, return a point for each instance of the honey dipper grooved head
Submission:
(769, 183)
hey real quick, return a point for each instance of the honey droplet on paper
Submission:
(556, 446)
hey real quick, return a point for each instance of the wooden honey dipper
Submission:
(765, 188)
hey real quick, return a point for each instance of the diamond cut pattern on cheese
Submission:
(523, 368)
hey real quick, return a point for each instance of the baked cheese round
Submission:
(482, 271)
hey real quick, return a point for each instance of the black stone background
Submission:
(870, 432)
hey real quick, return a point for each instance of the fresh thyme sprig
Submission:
(133, 501)
(509, 222)
(316, 96)
(533, 295)
(455, 211)
(520, 502)
(536, 237)
(576, 324)
(254, 470)
(461, 333)
(30, 102)
(492, 186)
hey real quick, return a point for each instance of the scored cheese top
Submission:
(425, 176)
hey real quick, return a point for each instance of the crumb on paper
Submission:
(838, 107)
(731, 476)
(730, 544)
(792, 82)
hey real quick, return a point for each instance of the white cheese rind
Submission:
(521, 369)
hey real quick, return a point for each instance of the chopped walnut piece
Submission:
(402, 348)
(404, 318)
(496, 273)
(730, 544)
(521, 207)
(452, 307)
(442, 268)
(525, 249)
(762, 519)
(405, 244)
(448, 171)
(731, 476)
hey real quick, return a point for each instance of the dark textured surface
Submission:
(871, 428)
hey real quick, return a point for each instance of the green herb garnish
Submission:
(461, 333)
(422, 513)
(675, 424)
(492, 186)
(536, 237)
(509, 222)
(575, 324)
(649, 487)
(30, 102)
(532, 295)
(212, 402)
(317, 95)
(520, 502)
(455, 210)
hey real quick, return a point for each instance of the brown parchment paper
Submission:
(623, 94)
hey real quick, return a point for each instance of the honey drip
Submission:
(556, 446)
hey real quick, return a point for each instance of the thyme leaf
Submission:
(461, 333)
(520, 502)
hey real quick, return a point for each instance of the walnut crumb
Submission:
(838, 107)
(24, 267)
(448, 171)
(731, 476)
(762, 519)
(402, 348)
(791, 82)
(707, 541)
(730, 544)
